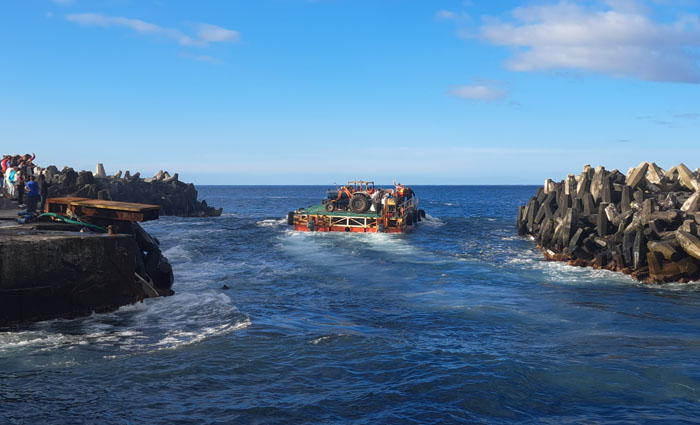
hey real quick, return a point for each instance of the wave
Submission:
(156, 324)
(271, 222)
(429, 220)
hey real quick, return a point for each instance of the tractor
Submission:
(356, 197)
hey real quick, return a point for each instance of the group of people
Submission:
(22, 182)
(403, 193)
(377, 197)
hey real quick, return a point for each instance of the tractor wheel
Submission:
(330, 207)
(359, 203)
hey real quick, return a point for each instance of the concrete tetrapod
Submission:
(689, 243)
(645, 223)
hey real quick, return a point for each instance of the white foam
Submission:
(156, 324)
(271, 222)
(429, 220)
(177, 253)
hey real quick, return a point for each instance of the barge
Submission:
(359, 207)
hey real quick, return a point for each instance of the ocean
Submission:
(460, 321)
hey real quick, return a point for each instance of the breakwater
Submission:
(173, 196)
(643, 223)
(73, 267)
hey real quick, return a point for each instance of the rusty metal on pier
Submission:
(98, 208)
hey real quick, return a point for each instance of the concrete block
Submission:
(532, 212)
(674, 270)
(602, 224)
(519, 221)
(588, 204)
(568, 226)
(541, 214)
(667, 249)
(648, 206)
(601, 242)
(689, 226)
(692, 204)
(637, 176)
(653, 188)
(639, 250)
(576, 239)
(547, 211)
(669, 202)
(616, 177)
(549, 186)
(606, 190)
(666, 216)
(546, 233)
(617, 257)
(626, 198)
(654, 265)
(597, 182)
(570, 185)
(686, 178)
(100, 171)
(627, 246)
(656, 227)
(584, 186)
(690, 243)
(540, 195)
(624, 219)
(655, 174)
(611, 213)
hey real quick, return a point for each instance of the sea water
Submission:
(460, 321)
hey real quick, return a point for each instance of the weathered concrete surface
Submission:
(47, 275)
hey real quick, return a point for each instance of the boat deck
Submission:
(321, 210)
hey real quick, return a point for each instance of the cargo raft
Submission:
(359, 207)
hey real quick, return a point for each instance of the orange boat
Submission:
(360, 207)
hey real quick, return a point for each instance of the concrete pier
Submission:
(49, 274)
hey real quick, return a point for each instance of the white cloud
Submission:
(618, 38)
(484, 90)
(446, 14)
(212, 33)
(206, 33)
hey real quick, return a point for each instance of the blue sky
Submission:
(315, 92)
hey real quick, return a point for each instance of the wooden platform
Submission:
(98, 208)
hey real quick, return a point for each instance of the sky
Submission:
(323, 91)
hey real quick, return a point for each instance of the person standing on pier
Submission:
(32, 194)
(19, 185)
(43, 191)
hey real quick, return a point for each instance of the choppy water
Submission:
(460, 321)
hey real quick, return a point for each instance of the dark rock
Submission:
(68, 178)
(174, 197)
(85, 177)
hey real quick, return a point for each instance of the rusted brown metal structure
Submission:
(98, 208)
